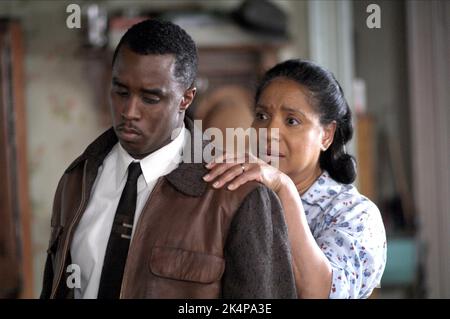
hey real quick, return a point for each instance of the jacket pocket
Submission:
(180, 264)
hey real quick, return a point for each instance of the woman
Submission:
(337, 236)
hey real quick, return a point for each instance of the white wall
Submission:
(380, 59)
(429, 65)
(60, 108)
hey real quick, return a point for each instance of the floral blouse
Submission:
(348, 228)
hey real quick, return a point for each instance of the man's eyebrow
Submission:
(115, 81)
(152, 91)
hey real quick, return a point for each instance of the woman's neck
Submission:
(304, 182)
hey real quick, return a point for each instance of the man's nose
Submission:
(131, 109)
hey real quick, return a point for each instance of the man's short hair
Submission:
(162, 37)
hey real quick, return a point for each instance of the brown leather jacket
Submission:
(191, 241)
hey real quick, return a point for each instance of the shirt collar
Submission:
(157, 164)
(322, 191)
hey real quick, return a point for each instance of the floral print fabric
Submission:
(348, 228)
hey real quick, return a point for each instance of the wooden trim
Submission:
(8, 256)
(17, 57)
(366, 156)
(17, 270)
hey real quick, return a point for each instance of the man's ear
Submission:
(328, 135)
(187, 98)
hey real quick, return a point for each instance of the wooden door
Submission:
(15, 243)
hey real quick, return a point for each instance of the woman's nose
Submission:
(273, 131)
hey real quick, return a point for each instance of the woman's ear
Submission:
(328, 135)
(187, 98)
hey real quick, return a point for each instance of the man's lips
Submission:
(128, 132)
(128, 129)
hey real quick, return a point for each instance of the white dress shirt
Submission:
(92, 234)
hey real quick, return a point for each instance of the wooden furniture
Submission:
(240, 65)
(15, 242)
(366, 148)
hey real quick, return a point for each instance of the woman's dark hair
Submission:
(329, 102)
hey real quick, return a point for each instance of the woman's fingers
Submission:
(232, 158)
(232, 168)
(220, 159)
(222, 163)
(218, 170)
(234, 174)
(229, 175)
(250, 175)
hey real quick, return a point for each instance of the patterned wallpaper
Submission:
(62, 116)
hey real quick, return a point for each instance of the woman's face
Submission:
(285, 105)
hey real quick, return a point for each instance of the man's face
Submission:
(147, 101)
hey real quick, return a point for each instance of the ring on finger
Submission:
(243, 168)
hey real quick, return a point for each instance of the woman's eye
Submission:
(292, 121)
(122, 93)
(261, 116)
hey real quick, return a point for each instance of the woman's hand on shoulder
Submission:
(234, 171)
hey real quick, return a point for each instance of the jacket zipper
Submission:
(69, 232)
(158, 183)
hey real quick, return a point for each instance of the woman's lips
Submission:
(269, 154)
(273, 158)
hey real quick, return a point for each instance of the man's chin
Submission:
(135, 150)
(129, 146)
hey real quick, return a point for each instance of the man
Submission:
(135, 221)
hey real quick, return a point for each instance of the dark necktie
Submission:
(120, 237)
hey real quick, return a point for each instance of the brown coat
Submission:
(191, 241)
